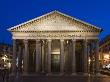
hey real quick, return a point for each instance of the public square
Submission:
(57, 78)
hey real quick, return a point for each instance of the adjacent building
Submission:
(105, 51)
(6, 52)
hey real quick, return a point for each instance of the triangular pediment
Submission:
(55, 21)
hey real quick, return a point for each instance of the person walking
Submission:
(4, 71)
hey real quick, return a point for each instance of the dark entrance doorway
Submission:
(55, 62)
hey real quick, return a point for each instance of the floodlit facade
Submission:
(55, 43)
(104, 52)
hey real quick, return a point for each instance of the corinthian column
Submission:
(37, 55)
(73, 57)
(19, 58)
(14, 57)
(85, 57)
(25, 58)
(49, 56)
(61, 56)
(43, 67)
(97, 57)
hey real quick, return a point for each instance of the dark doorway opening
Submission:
(55, 62)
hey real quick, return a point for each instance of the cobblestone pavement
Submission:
(75, 78)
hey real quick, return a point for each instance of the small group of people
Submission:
(4, 71)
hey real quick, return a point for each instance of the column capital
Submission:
(37, 40)
(49, 40)
(25, 40)
(97, 40)
(14, 39)
(73, 40)
(14, 42)
(85, 39)
(62, 40)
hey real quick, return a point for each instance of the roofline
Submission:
(79, 20)
(55, 11)
(9, 29)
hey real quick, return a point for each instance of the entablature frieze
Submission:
(54, 35)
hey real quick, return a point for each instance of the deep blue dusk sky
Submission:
(13, 12)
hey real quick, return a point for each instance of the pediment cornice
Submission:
(54, 21)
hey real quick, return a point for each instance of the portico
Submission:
(54, 43)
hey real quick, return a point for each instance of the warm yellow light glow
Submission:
(67, 41)
(106, 56)
(9, 65)
(89, 60)
(4, 58)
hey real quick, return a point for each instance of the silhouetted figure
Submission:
(4, 72)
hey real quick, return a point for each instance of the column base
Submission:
(43, 72)
(98, 74)
(61, 74)
(53, 74)
(12, 74)
(25, 73)
(86, 74)
(48, 74)
(73, 74)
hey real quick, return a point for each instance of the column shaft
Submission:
(37, 55)
(97, 57)
(73, 57)
(19, 58)
(43, 67)
(61, 56)
(14, 57)
(25, 58)
(49, 57)
(85, 57)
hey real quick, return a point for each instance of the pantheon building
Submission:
(55, 43)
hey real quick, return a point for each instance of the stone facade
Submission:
(55, 43)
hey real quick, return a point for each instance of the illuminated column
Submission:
(88, 58)
(85, 57)
(102, 63)
(97, 57)
(73, 57)
(91, 67)
(37, 56)
(43, 67)
(61, 56)
(19, 58)
(49, 56)
(14, 57)
(25, 58)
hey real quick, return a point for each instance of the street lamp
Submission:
(6, 61)
(106, 57)
(9, 65)
(4, 58)
(89, 60)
